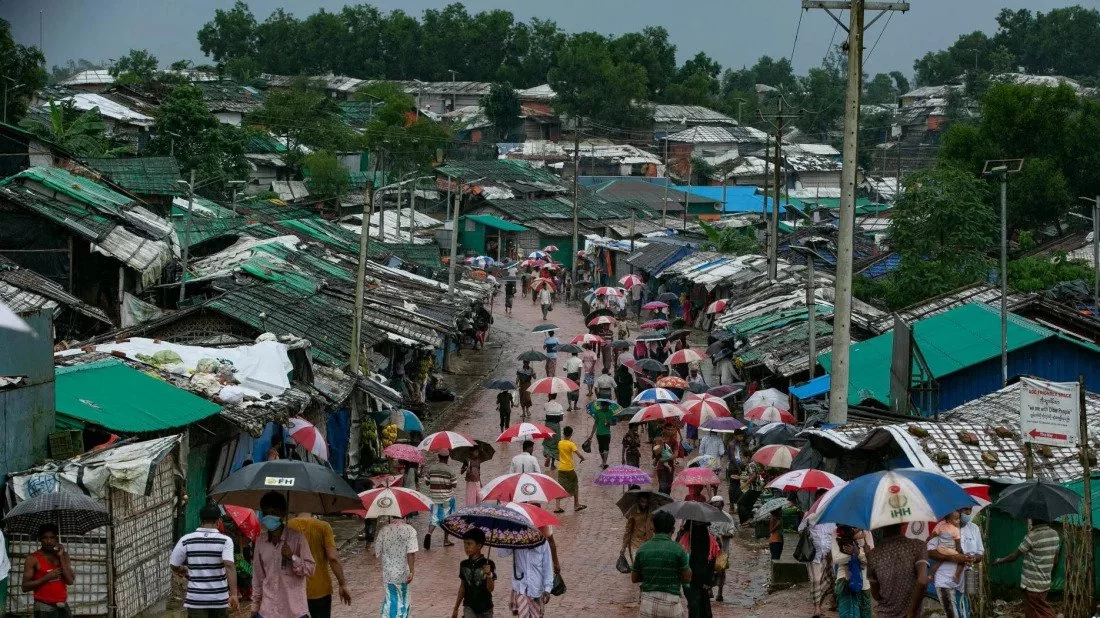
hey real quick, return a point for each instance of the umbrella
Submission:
(654, 324)
(700, 411)
(657, 412)
(539, 517)
(683, 357)
(623, 475)
(391, 502)
(894, 497)
(598, 312)
(655, 395)
(608, 291)
(722, 425)
(484, 449)
(697, 387)
(245, 520)
(696, 476)
(523, 487)
(649, 364)
(922, 530)
(726, 390)
(705, 461)
(656, 336)
(628, 411)
(542, 328)
(570, 348)
(532, 263)
(406, 420)
(308, 487)
(695, 511)
(525, 431)
(719, 349)
(444, 441)
(542, 282)
(806, 480)
(501, 385)
(718, 306)
(538, 255)
(668, 297)
(1037, 500)
(502, 526)
(775, 455)
(676, 334)
(770, 507)
(619, 344)
(532, 356)
(672, 382)
(814, 512)
(586, 338)
(709, 398)
(595, 406)
(630, 281)
(768, 397)
(482, 261)
(654, 305)
(630, 498)
(602, 319)
(545, 386)
(775, 433)
(549, 248)
(308, 437)
(769, 414)
(404, 452)
(72, 513)
(9, 320)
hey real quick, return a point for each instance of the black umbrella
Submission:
(308, 487)
(462, 453)
(776, 433)
(501, 385)
(697, 387)
(630, 498)
(668, 297)
(676, 334)
(542, 328)
(532, 356)
(72, 513)
(654, 336)
(569, 348)
(648, 364)
(1038, 500)
(695, 511)
(719, 347)
(628, 412)
(620, 344)
(595, 313)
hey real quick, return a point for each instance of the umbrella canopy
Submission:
(709, 398)
(245, 520)
(671, 382)
(768, 397)
(391, 502)
(775, 455)
(769, 414)
(700, 411)
(894, 497)
(697, 387)
(723, 425)
(775, 433)
(308, 437)
(542, 328)
(529, 263)
(669, 297)
(602, 319)
(649, 364)
(543, 282)
(404, 452)
(676, 334)
(532, 356)
(718, 306)
(923, 530)
(656, 336)
(72, 513)
(406, 420)
(484, 449)
(695, 511)
(600, 405)
(806, 480)
(444, 441)
(523, 487)
(308, 487)
(769, 507)
(1037, 499)
(623, 475)
(549, 248)
(696, 476)
(586, 338)
(654, 305)
(705, 461)
(814, 512)
(538, 255)
(570, 348)
(630, 498)
(502, 526)
(654, 324)
(628, 411)
(630, 281)
(525, 431)
(501, 385)
(481, 261)
(725, 390)
(655, 395)
(657, 412)
(607, 291)
(685, 356)
(620, 344)
(538, 516)
(545, 386)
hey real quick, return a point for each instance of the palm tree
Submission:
(81, 133)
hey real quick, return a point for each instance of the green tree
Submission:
(590, 83)
(534, 49)
(881, 89)
(24, 65)
(231, 34)
(696, 82)
(186, 129)
(137, 66)
(327, 178)
(407, 144)
(502, 108)
(821, 96)
(306, 118)
(82, 133)
(731, 240)
(279, 40)
(651, 50)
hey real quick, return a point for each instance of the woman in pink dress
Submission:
(472, 469)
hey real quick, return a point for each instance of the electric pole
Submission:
(576, 198)
(842, 306)
(773, 221)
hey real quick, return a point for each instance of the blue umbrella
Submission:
(406, 421)
(482, 261)
(656, 395)
(890, 497)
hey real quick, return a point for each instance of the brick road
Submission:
(588, 542)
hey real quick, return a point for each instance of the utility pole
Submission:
(779, 177)
(454, 244)
(842, 313)
(360, 281)
(764, 205)
(576, 197)
(190, 230)
(412, 210)
(1000, 169)
(664, 203)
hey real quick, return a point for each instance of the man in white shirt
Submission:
(533, 578)
(545, 301)
(205, 559)
(952, 594)
(526, 461)
(573, 366)
(396, 546)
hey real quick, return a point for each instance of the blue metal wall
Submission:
(26, 410)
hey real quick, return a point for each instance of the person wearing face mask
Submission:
(281, 564)
(952, 592)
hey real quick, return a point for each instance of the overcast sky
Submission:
(734, 32)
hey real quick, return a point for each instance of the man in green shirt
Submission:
(601, 427)
(1039, 549)
(661, 567)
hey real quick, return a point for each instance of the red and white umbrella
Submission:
(657, 412)
(806, 480)
(767, 397)
(699, 411)
(654, 324)
(685, 356)
(696, 476)
(444, 441)
(549, 248)
(586, 338)
(654, 305)
(525, 431)
(538, 516)
(530, 263)
(542, 282)
(523, 487)
(718, 306)
(775, 456)
(607, 291)
(922, 530)
(308, 437)
(404, 452)
(546, 386)
(602, 319)
(769, 414)
(391, 502)
(630, 281)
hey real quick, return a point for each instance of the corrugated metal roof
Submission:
(91, 77)
(85, 101)
(654, 256)
(509, 175)
(588, 207)
(703, 135)
(663, 113)
(983, 293)
(537, 93)
(497, 223)
(142, 175)
(738, 198)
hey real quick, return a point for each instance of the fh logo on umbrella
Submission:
(528, 489)
(279, 481)
(898, 503)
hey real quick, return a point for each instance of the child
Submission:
(632, 447)
(948, 539)
(477, 577)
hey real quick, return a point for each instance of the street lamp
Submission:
(808, 252)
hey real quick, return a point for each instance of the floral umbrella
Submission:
(623, 475)
(404, 452)
(672, 382)
(696, 476)
(502, 526)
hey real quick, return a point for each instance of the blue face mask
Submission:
(965, 519)
(271, 522)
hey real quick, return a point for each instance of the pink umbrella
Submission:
(542, 282)
(305, 434)
(532, 263)
(549, 248)
(769, 414)
(523, 487)
(654, 324)
(696, 476)
(546, 386)
(586, 338)
(444, 441)
(718, 306)
(245, 519)
(775, 455)
(806, 480)
(602, 319)
(700, 411)
(685, 356)
(606, 291)
(653, 305)
(657, 412)
(404, 452)
(630, 281)
(539, 517)
(525, 431)
(392, 502)
(623, 475)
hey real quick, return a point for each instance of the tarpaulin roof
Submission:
(143, 175)
(117, 397)
(497, 222)
(813, 388)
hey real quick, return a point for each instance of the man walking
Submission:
(567, 470)
(573, 367)
(1039, 549)
(532, 580)
(442, 482)
(605, 385)
(322, 544)
(205, 559)
(526, 461)
(601, 428)
(546, 300)
(395, 546)
(550, 346)
(898, 571)
(281, 562)
(636, 298)
(661, 567)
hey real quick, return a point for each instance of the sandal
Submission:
(580, 508)
(448, 544)
(559, 510)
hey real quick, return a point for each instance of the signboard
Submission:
(1050, 412)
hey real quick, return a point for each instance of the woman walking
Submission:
(821, 568)
(524, 377)
(472, 469)
(554, 416)
(849, 553)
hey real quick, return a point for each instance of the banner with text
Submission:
(1050, 412)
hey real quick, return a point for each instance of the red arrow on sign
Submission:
(1035, 433)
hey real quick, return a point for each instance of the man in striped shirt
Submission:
(441, 481)
(205, 559)
(1040, 550)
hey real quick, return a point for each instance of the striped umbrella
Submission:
(308, 437)
(607, 291)
(653, 305)
(654, 324)
(769, 414)
(775, 455)
(538, 516)
(699, 411)
(525, 431)
(657, 412)
(685, 356)
(543, 282)
(768, 397)
(391, 502)
(586, 338)
(546, 386)
(523, 487)
(656, 395)
(444, 441)
(602, 319)
(630, 281)
(622, 475)
(892, 497)
(806, 480)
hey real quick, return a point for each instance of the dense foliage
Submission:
(20, 65)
